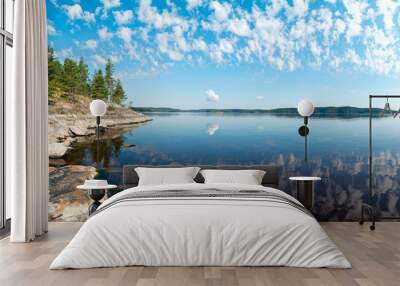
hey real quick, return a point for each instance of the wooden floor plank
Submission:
(375, 257)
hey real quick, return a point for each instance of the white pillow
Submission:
(166, 176)
(248, 177)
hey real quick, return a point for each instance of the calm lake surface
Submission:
(338, 152)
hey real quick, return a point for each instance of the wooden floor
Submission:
(375, 257)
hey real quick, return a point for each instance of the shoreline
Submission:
(344, 112)
(65, 129)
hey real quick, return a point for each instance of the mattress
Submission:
(201, 225)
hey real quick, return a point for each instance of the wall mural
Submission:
(217, 82)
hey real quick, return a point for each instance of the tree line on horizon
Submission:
(71, 79)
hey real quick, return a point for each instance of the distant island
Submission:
(329, 111)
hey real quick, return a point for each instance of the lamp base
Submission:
(96, 196)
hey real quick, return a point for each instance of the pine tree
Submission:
(71, 79)
(98, 87)
(55, 71)
(109, 80)
(119, 95)
(83, 73)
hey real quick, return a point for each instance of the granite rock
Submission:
(67, 203)
(68, 121)
(57, 150)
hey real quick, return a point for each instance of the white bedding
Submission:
(200, 231)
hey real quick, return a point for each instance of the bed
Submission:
(197, 224)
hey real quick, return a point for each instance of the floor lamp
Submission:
(367, 207)
(97, 108)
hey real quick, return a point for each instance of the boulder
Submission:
(57, 133)
(65, 179)
(57, 150)
(66, 202)
(81, 128)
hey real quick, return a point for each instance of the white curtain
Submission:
(26, 117)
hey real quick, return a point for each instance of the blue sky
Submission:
(235, 54)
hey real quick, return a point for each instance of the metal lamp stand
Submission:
(303, 131)
(96, 194)
(367, 207)
(97, 140)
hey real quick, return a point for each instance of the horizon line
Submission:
(263, 109)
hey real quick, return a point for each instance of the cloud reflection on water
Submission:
(212, 128)
(337, 153)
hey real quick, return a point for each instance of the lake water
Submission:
(338, 152)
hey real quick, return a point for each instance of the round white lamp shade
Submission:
(98, 107)
(305, 108)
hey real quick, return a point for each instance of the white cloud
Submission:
(356, 11)
(174, 55)
(91, 44)
(109, 4)
(212, 96)
(226, 46)
(144, 32)
(149, 15)
(221, 11)
(125, 34)
(104, 34)
(191, 4)
(267, 29)
(259, 97)
(115, 58)
(377, 37)
(239, 27)
(380, 60)
(64, 53)
(387, 9)
(340, 26)
(299, 8)
(51, 30)
(325, 23)
(163, 42)
(123, 17)
(353, 57)
(180, 39)
(199, 45)
(315, 49)
(285, 35)
(89, 17)
(99, 59)
(73, 11)
(301, 31)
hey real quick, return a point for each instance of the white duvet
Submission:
(193, 231)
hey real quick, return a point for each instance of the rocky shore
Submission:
(66, 203)
(69, 121)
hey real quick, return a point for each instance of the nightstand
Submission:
(96, 190)
(305, 190)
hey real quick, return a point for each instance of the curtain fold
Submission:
(27, 151)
